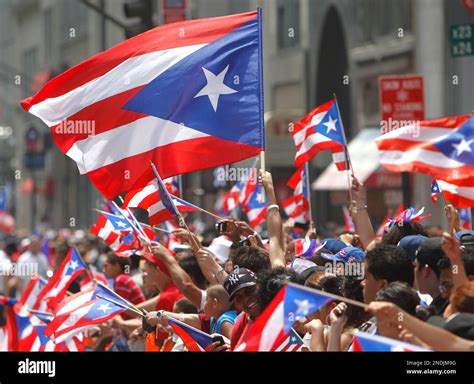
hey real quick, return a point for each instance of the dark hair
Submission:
(390, 263)
(122, 261)
(251, 258)
(399, 231)
(352, 289)
(467, 257)
(188, 262)
(400, 294)
(186, 306)
(444, 263)
(327, 283)
(269, 283)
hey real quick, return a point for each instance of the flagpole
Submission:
(262, 170)
(306, 166)
(346, 151)
(139, 226)
(204, 211)
(182, 223)
(332, 296)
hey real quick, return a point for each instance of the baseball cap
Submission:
(460, 234)
(346, 255)
(155, 261)
(304, 268)
(430, 252)
(238, 279)
(411, 244)
(333, 245)
(461, 324)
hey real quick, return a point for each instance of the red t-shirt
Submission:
(126, 287)
(240, 330)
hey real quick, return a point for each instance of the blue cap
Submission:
(334, 245)
(410, 245)
(346, 255)
(460, 234)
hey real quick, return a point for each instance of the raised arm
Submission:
(360, 215)
(179, 276)
(274, 222)
(452, 249)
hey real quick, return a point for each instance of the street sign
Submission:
(462, 39)
(401, 98)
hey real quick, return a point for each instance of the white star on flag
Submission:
(331, 124)
(304, 307)
(104, 307)
(73, 265)
(215, 87)
(121, 224)
(463, 146)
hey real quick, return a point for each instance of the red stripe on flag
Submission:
(161, 38)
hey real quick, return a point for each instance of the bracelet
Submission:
(273, 206)
(361, 208)
(160, 313)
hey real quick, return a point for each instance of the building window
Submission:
(74, 20)
(288, 23)
(48, 34)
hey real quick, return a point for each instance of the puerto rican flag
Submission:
(174, 185)
(255, 203)
(365, 342)
(319, 130)
(119, 237)
(435, 191)
(149, 198)
(187, 96)
(84, 310)
(56, 288)
(465, 217)
(459, 193)
(348, 223)
(292, 343)
(440, 148)
(29, 297)
(299, 207)
(194, 339)
(386, 221)
(273, 326)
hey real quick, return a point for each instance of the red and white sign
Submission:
(402, 98)
(174, 10)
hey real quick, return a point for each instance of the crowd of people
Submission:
(417, 284)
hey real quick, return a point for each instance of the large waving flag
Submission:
(273, 326)
(194, 339)
(29, 297)
(187, 96)
(319, 130)
(365, 342)
(56, 288)
(440, 148)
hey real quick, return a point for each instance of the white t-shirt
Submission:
(26, 265)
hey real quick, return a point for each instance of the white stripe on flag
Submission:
(299, 137)
(311, 141)
(418, 134)
(434, 159)
(135, 138)
(129, 74)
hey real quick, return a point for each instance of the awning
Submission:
(365, 160)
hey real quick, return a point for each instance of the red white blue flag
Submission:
(365, 342)
(194, 339)
(435, 191)
(465, 217)
(187, 96)
(319, 130)
(440, 148)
